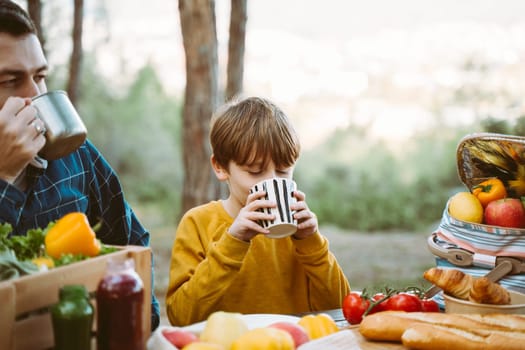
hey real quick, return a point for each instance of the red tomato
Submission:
(354, 307)
(379, 307)
(429, 305)
(403, 302)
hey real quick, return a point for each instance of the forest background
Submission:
(380, 93)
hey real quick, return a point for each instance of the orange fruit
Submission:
(465, 206)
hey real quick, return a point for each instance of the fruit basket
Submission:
(480, 157)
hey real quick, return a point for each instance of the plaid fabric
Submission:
(82, 181)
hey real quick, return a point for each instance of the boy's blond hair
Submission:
(253, 129)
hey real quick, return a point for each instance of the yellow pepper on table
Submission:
(319, 325)
(72, 234)
(267, 338)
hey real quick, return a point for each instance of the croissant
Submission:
(453, 282)
(485, 291)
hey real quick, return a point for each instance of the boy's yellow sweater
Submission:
(211, 270)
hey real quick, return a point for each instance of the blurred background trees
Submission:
(352, 180)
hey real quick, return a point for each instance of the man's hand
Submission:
(21, 136)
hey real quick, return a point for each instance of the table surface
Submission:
(349, 338)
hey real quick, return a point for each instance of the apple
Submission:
(297, 332)
(179, 338)
(506, 212)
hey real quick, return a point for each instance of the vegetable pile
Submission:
(65, 241)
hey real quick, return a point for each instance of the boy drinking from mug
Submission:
(221, 258)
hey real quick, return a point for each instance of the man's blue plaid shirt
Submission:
(82, 181)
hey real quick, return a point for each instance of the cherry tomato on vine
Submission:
(379, 307)
(354, 306)
(403, 302)
(429, 305)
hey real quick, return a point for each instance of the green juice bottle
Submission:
(72, 319)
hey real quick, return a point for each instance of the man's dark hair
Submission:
(14, 20)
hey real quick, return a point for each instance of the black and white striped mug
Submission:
(279, 190)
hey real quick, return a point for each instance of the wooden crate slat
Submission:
(34, 332)
(7, 315)
(24, 320)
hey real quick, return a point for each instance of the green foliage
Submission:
(351, 181)
(364, 185)
(138, 130)
(497, 126)
(519, 128)
(25, 247)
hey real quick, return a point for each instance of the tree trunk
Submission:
(236, 47)
(34, 9)
(75, 63)
(235, 69)
(199, 34)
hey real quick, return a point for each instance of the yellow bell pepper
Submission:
(223, 328)
(43, 262)
(319, 325)
(72, 234)
(267, 338)
(489, 190)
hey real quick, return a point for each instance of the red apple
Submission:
(506, 212)
(297, 332)
(178, 337)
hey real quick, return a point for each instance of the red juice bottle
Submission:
(120, 298)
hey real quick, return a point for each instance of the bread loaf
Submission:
(500, 321)
(390, 325)
(453, 282)
(484, 291)
(430, 337)
(434, 330)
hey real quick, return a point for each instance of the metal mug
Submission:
(65, 131)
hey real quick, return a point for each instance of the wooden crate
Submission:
(25, 322)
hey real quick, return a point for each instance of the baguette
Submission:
(390, 325)
(500, 321)
(422, 336)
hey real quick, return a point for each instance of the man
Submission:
(35, 191)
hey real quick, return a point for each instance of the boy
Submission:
(221, 259)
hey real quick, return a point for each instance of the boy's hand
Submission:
(246, 225)
(306, 220)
